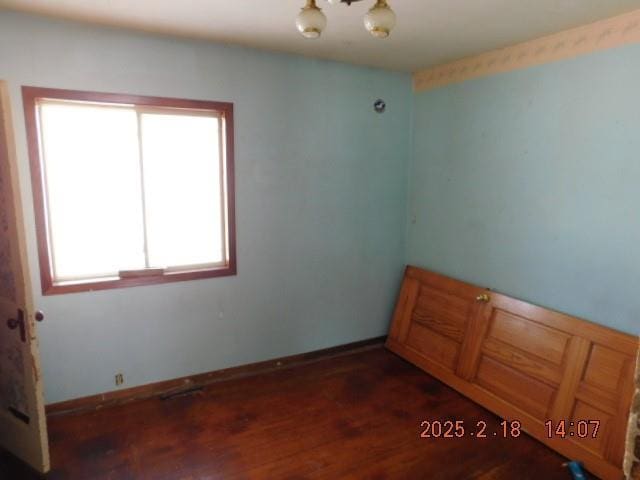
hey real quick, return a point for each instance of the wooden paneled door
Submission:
(568, 381)
(23, 429)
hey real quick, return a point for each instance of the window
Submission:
(130, 190)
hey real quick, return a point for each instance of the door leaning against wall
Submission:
(23, 429)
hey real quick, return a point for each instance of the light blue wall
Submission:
(321, 204)
(529, 183)
(526, 182)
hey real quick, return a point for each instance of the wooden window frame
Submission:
(31, 96)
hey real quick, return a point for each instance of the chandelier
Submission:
(379, 20)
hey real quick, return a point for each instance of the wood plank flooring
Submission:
(351, 417)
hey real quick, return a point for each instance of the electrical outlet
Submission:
(119, 379)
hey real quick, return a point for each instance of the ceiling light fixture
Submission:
(311, 21)
(379, 20)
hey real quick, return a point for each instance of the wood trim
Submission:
(30, 96)
(125, 282)
(578, 354)
(118, 397)
(33, 93)
(402, 313)
(37, 187)
(472, 342)
(604, 34)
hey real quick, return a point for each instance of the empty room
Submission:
(319, 239)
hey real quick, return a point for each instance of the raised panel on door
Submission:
(604, 392)
(521, 360)
(520, 390)
(434, 316)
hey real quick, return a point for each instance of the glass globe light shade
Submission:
(311, 21)
(334, 2)
(380, 20)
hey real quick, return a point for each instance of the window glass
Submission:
(93, 189)
(183, 193)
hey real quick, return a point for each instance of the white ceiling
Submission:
(429, 32)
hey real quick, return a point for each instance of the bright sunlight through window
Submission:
(132, 191)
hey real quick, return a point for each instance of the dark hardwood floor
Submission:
(353, 417)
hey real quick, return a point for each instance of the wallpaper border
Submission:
(601, 35)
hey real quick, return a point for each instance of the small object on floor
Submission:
(576, 470)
